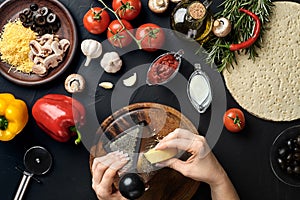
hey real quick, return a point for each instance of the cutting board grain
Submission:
(166, 183)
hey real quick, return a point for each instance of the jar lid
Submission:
(197, 10)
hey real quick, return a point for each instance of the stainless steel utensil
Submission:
(37, 161)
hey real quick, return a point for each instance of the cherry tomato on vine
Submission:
(96, 20)
(117, 35)
(151, 35)
(234, 120)
(127, 9)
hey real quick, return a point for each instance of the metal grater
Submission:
(128, 142)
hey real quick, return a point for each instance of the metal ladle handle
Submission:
(23, 185)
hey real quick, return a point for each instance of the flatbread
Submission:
(269, 87)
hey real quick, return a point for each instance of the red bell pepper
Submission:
(59, 115)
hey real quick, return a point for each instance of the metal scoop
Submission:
(37, 161)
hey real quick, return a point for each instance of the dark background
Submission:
(245, 156)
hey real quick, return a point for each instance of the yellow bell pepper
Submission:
(13, 116)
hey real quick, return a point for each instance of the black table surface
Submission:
(245, 156)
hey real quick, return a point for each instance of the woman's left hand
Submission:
(104, 169)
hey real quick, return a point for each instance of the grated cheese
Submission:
(14, 46)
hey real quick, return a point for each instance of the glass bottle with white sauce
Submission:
(199, 89)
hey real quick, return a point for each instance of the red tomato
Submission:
(152, 36)
(234, 120)
(127, 9)
(96, 20)
(117, 35)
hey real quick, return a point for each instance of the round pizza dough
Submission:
(269, 87)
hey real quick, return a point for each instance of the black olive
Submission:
(289, 157)
(40, 20)
(26, 25)
(280, 161)
(297, 170)
(131, 186)
(297, 156)
(289, 170)
(290, 144)
(298, 140)
(33, 27)
(22, 17)
(282, 152)
(34, 7)
(40, 30)
(26, 11)
(56, 26)
(43, 11)
(51, 18)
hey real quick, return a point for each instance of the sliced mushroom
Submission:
(31, 55)
(158, 6)
(175, 1)
(74, 83)
(64, 43)
(45, 38)
(38, 60)
(56, 47)
(46, 49)
(39, 69)
(52, 61)
(35, 47)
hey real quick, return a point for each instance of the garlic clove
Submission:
(106, 85)
(130, 81)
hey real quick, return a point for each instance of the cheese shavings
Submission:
(14, 46)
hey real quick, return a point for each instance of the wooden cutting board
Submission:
(166, 183)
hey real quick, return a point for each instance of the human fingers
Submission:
(101, 159)
(197, 145)
(110, 173)
(101, 164)
(173, 163)
(179, 133)
(183, 144)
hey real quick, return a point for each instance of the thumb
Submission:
(173, 163)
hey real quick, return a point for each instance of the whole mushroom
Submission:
(74, 83)
(221, 27)
(158, 6)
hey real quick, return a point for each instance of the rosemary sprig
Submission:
(241, 30)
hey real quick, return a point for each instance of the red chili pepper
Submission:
(58, 115)
(251, 40)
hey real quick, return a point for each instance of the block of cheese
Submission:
(155, 156)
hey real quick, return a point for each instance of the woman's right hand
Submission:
(201, 165)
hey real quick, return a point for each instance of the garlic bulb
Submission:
(111, 62)
(91, 49)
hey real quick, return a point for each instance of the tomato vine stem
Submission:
(138, 42)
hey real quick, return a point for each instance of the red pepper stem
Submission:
(74, 129)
